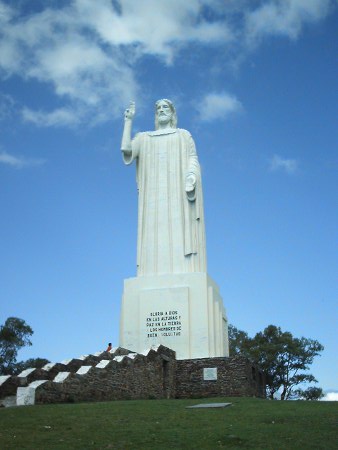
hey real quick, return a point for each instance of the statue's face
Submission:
(163, 112)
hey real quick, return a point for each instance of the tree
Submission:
(284, 358)
(14, 335)
(311, 393)
(239, 342)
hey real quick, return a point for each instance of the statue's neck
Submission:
(160, 131)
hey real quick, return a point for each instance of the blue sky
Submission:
(255, 82)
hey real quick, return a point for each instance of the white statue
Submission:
(171, 235)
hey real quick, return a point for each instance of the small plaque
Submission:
(210, 374)
(210, 405)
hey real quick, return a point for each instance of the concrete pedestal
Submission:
(181, 311)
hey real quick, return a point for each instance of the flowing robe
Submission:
(171, 235)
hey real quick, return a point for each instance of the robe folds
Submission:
(171, 234)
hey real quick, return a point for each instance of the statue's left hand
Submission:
(190, 182)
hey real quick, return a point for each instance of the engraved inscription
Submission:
(163, 323)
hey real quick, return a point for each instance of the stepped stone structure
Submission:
(123, 375)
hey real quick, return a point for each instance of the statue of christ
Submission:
(171, 235)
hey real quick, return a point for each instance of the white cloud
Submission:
(155, 26)
(7, 105)
(330, 397)
(58, 117)
(218, 106)
(6, 13)
(19, 163)
(283, 17)
(289, 166)
(86, 51)
(58, 48)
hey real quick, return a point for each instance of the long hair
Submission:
(173, 121)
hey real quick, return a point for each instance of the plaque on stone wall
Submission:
(210, 374)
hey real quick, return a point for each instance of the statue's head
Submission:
(173, 118)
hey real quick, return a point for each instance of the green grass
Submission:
(167, 424)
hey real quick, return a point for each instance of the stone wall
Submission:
(236, 377)
(123, 375)
(149, 375)
(9, 384)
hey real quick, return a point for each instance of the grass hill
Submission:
(167, 424)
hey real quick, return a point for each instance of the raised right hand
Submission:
(130, 112)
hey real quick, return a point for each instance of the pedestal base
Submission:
(181, 311)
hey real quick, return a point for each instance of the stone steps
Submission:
(10, 383)
(8, 401)
(119, 374)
